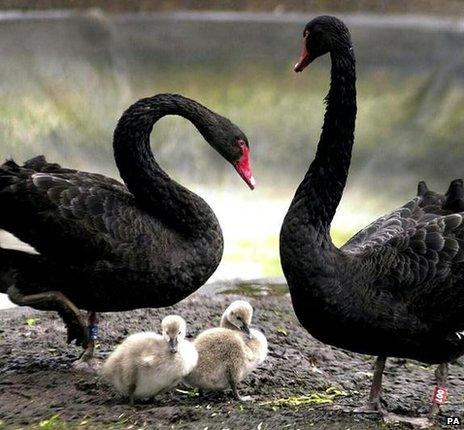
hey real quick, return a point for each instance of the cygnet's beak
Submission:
(173, 344)
(246, 329)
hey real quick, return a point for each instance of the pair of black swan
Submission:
(104, 246)
(397, 287)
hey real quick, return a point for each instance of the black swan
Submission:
(104, 246)
(397, 287)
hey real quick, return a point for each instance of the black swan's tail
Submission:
(430, 199)
(451, 202)
(13, 177)
(454, 197)
(9, 174)
(12, 173)
(422, 188)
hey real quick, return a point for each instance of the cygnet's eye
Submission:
(178, 333)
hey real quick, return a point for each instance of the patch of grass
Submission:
(313, 398)
(31, 322)
(262, 253)
(55, 422)
(52, 423)
(282, 330)
(72, 121)
(250, 289)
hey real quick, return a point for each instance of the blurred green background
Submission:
(67, 75)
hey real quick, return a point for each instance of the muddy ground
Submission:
(39, 388)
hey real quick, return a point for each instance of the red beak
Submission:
(304, 59)
(243, 168)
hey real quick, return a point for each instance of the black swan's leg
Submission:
(373, 405)
(439, 398)
(92, 331)
(16, 267)
(441, 393)
(55, 301)
(376, 387)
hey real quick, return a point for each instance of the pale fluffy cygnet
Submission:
(227, 354)
(146, 363)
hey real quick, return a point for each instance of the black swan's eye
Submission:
(242, 143)
(305, 34)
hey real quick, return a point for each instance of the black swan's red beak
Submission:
(304, 59)
(243, 168)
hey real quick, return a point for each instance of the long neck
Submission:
(153, 189)
(321, 190)
(225, 323)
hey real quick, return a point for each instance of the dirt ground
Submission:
(40, 389)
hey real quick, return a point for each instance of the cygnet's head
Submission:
(238, 315)
(174, 329)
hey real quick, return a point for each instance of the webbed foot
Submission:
(371, 408)
(77, 330)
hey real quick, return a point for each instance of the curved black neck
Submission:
(321, 190)
(153, 189)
